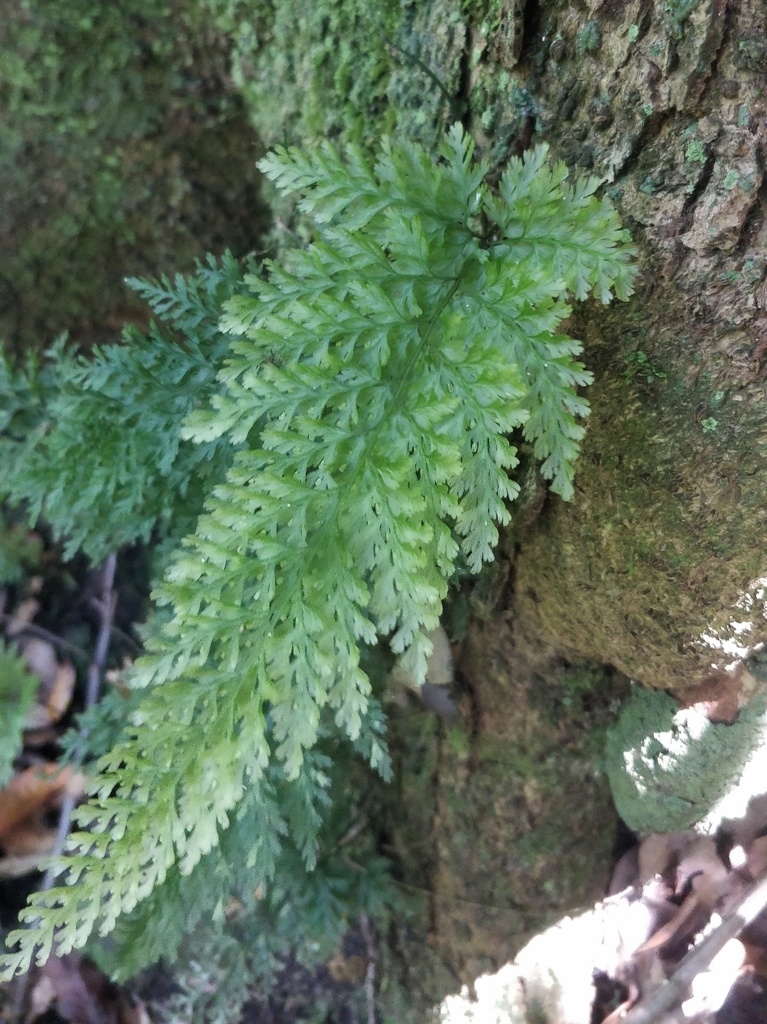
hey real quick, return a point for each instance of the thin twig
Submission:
(43, 634)
(672, 992)
(370, 973)
(107, 610)
(95, 675)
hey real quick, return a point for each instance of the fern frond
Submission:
(563, 228)
(328, 185)
(370, 389)
(192, 304)
(20, 551)
(106, 462)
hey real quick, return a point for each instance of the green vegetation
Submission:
(695, 153)
(589, 39)
(17, 693)
(639, 365)
(352, 449)
(124, 405)
(122, 152)
(312, 73)
(678, 12)
(19, 552)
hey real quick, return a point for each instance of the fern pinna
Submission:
(370, 389)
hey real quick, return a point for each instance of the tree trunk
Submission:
(657, 570)
(656, 567)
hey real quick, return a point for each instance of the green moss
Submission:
(589, 39)
(310, 72)
(122, 152)
(678, 12)
(667, 528)
(668, 768)
(640, 366)
(345, 69)
(751, 55)
(681, 9)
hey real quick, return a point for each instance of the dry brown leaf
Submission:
(17, 867)
(22, 616)
(702, 867)
(31, 793)
(754, 822)
(43, 994)
(233, 908)
(40, 736)
(40, 656)
(77, 989)
(658, 852)
(706, 880)
(57, 683)
(347, 968)
(61, 693)
(131, 1009)
(674, 927)
(37, 718)
(756, 861)
(30, 838)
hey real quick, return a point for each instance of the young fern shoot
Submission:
(371, 387)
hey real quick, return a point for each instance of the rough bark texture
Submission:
(657, 563)
(656, 570)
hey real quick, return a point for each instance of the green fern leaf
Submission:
(368, 395)
(105, 462)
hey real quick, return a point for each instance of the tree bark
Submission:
(657, 565)
(657, 570)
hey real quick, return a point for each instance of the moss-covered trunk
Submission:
(656, 565)
(657, 570)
